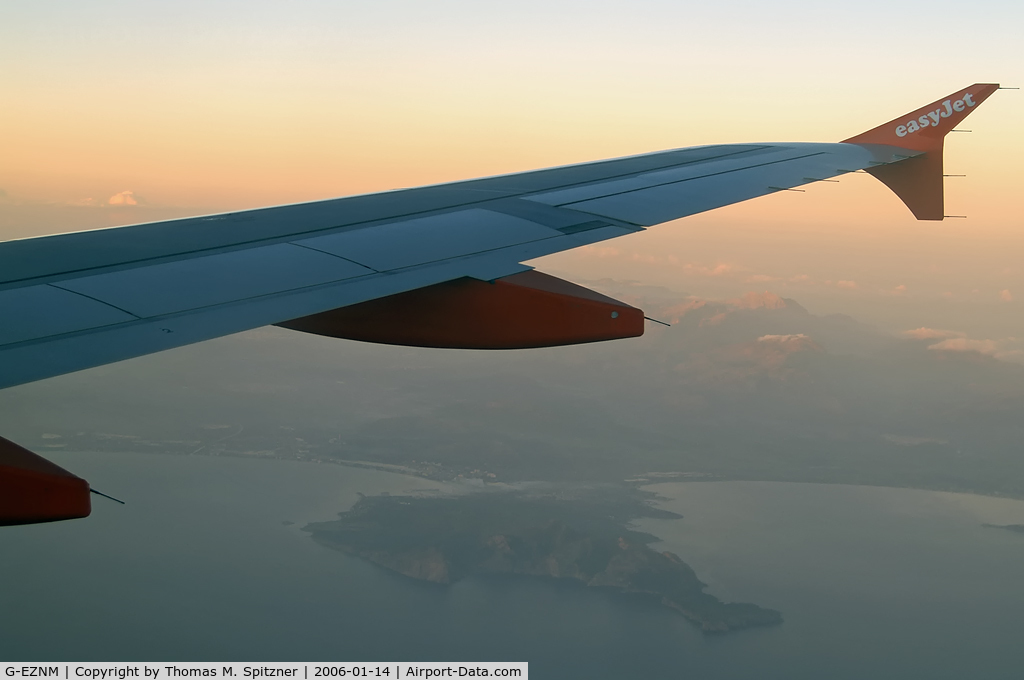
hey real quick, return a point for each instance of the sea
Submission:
(207, 561)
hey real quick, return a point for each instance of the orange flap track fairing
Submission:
(33, 490)
(521, 311)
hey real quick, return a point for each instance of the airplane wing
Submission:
(437, 266)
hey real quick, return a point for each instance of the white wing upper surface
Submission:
(73, 301)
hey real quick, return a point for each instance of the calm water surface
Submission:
(207, 562)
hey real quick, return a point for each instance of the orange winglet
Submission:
(524, 310)
(918, 180)
(33, 490)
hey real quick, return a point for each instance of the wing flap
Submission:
(59, 353)
(429, 239)
(743, 157)
(210, 280)
(663, 196)
(42, 311)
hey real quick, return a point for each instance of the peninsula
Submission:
(581, 536)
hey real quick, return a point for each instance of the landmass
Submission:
(579, 535)
(754, 389)
(1015, 528)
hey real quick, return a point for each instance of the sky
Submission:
(117, 112)
(120, 112)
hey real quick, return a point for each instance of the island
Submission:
(579, 535)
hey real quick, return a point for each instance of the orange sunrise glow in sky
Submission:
(123, 112)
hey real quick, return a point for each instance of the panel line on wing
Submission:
(44, 311)
(213, 279)
(429, 239)
(300, 244)
(90, 297)
(689, 179)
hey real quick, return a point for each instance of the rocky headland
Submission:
(581, 536)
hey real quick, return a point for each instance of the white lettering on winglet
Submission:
(933, 118)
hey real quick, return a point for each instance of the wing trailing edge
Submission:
(917, 180)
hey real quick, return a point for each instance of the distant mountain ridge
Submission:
(751, 388)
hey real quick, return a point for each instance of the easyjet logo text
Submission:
(932, 118)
